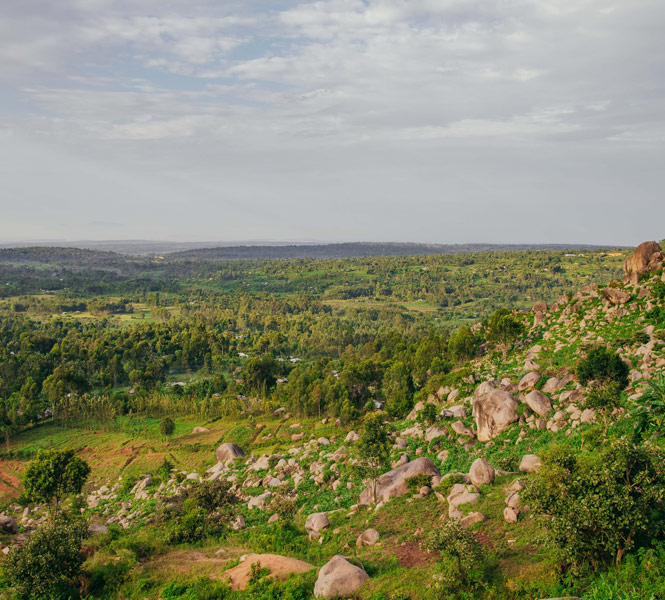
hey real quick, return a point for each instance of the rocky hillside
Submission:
(308, 514)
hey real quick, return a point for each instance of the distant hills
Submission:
(277, 250)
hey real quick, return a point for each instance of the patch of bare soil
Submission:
(410, 554)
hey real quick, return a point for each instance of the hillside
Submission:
(360, 250)
(482, 424)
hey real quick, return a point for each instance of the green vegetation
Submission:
(104, 357)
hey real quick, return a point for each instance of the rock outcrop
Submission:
(647, 257)
(338, 578)
(228, 451)
(393, 483)
(494, 413)
(279, 566)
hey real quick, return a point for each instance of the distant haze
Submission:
(447, 121)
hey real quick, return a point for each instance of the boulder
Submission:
(352, 436)
(647, 257)
(510, 514)
(338, 578)
(616, 296)
(434, 432)
(494, 413)
(316, 523)
(461, 429)
(461, 494)
(529, 381)
(393, 483)
(540, 307)
(481, 472)
(369, 537)
(484, 388)
(200, 430)
(228, 451)
(471, 519)
(259, 501)
(538, 402)
(530, 463)
(8, 524)
(279, 566)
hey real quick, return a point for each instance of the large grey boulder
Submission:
(393, 483)
(481, 472)
(338, 578)
(538, 402)
(494, 413)
(228, 452)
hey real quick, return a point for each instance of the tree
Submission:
(398, 389)
(53, 474)
(46, 565)
(463, 345)
(373, 449)
(502, 327)
(167, 427)
(600, 506)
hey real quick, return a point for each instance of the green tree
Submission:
(398, 389)
(503, 327)
(167, 427)
(46, 565)
(600, 506)
(53, 474)
(463, 345)
(373, 449)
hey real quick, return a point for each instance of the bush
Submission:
(461, 556)
(600, 506)
(46, 565)
(602, 365)
(428, 415)
(417, 481)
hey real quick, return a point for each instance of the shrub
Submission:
(428, 415)
(46, 565)
(417, 481)
(604, 396)
(447, 484)
(461, 556)
(602, 365)
(603, 505)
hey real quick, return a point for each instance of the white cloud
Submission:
(304, 102)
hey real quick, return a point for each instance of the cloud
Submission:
(362, 104)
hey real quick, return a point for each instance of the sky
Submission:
(438, 121)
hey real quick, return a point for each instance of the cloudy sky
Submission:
(405, 120)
